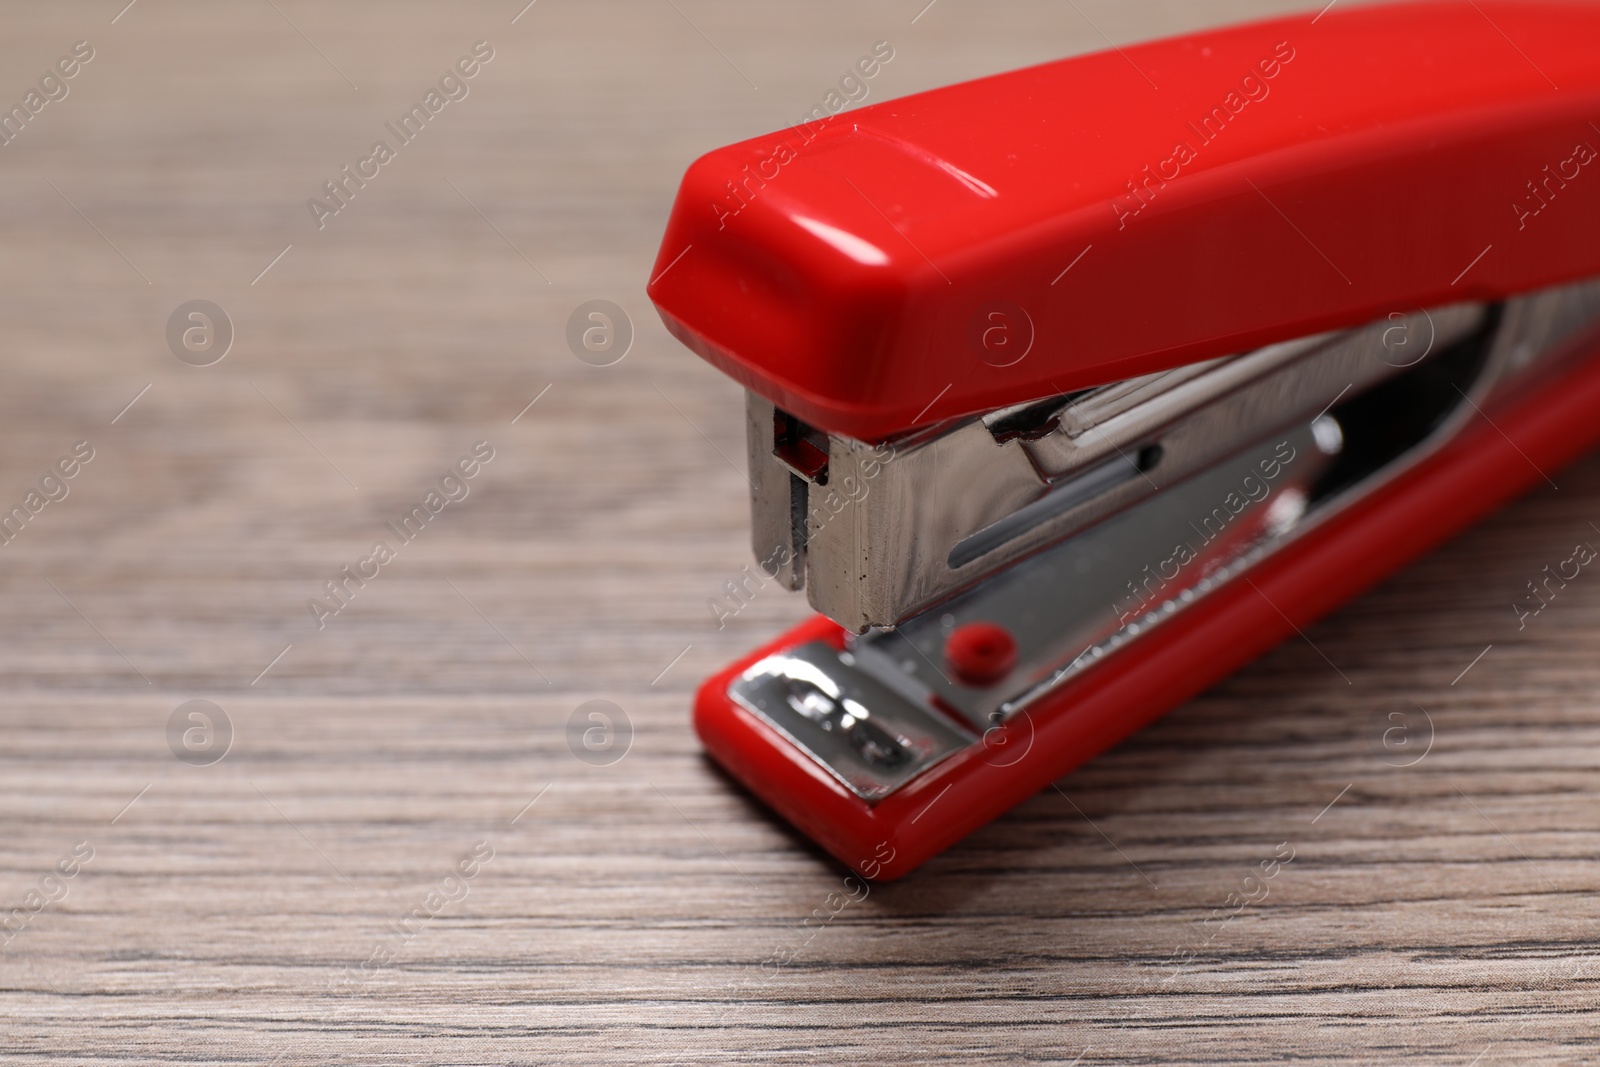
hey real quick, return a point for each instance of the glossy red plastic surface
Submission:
(1147, 677)
(1124, 212)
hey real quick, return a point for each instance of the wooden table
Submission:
(303, 899)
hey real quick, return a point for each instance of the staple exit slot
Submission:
(800, 447)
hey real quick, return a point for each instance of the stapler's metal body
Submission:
(1072, 389)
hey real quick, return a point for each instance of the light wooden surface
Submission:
(1442, 912)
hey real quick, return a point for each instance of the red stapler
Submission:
(1072, 389)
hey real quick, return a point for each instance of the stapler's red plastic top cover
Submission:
(1110, 215)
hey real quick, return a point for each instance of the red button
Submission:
(981, 653)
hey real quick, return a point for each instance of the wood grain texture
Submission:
(1441, 912)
